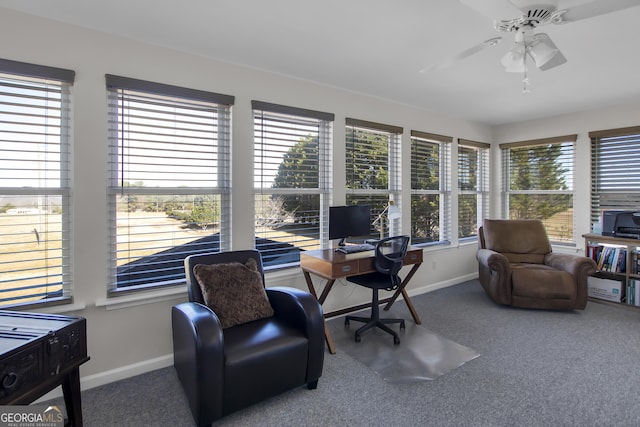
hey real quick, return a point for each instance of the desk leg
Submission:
(323, 296)
(405, 295)
(72, 401)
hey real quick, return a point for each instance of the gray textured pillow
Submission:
(234, 291)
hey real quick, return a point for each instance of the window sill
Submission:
(432, 246)
(141, 298)
(59, 309)
(468, 241)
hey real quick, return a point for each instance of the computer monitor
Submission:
(349, 221)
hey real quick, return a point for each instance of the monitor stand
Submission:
(342, 242)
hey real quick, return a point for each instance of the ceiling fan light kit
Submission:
(542, 52)
(514, 61)
(538, 47)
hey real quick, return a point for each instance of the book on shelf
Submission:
(635, 263)
(633, 292)
(609, 258)
(593, 251)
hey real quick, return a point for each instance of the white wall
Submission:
(129, 336)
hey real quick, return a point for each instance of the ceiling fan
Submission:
(530, 14)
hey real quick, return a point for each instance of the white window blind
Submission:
(373, 172)
(430, 188)
(292, 181)
(473, 186)
(538, 183)
(169, 186)
(35, 215)
(615, 170)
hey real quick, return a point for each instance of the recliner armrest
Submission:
(199, 357)
(578, 266)
(495, 261)
(494, 272)
(303, 311)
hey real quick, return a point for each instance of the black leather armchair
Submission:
(223, 370)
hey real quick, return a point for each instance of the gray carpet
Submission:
(537, 368)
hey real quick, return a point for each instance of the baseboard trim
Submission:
(124, 372)
(121, 373)
(439, 285)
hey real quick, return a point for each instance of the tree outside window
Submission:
(538, 184)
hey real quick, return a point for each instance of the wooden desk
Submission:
(331, 265)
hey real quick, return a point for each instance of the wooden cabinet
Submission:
(618, 259)
(39, 352)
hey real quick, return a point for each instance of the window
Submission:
(169, 179)
(538, 183)
(292, 187)
(430, 193)
(373, 171)
(615, 170)
(473, 186)
(35, 114)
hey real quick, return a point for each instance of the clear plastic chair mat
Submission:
(421, 355)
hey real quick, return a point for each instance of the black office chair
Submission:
(390, 253)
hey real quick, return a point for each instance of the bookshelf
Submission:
(618, 260)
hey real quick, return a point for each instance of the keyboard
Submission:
(352, 249)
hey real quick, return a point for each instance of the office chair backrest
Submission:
(390, 254)
(193, 288)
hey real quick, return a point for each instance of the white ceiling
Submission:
(377, 47)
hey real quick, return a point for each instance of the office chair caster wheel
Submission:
(402, 325)
(358, 339)
(396, 340)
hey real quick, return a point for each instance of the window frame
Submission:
(393, 164)
(608, 193)
(196, 124)
(506, 179)
(36, 132)
(480, 190)
(419, 142)
(277, 129)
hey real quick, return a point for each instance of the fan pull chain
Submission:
(525, 81)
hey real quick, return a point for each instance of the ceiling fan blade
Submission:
(447, 62)
(545, 53)
(494, 9)
(525, 5)
(596, 8)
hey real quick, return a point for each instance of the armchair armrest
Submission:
(304, 312)
(578, 266)
(495, 261)
(495, 275)
(198, 357)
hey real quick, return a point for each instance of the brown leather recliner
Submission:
(518, 268)
(226, 369)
